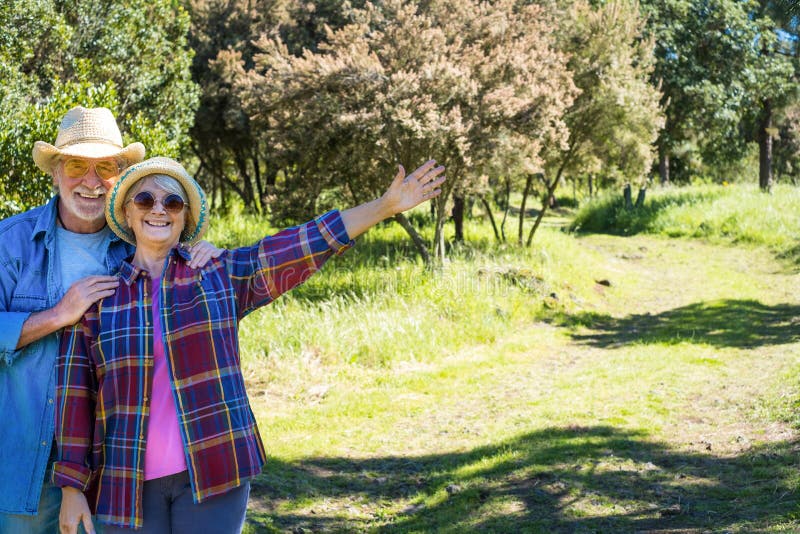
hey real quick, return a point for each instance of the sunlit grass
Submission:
(508, 391)
(740, 214)
(379, 303)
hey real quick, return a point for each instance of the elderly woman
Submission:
(153, 422)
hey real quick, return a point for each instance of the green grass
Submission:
(378, 303)
(509, 391)
(735, 214)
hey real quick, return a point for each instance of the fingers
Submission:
(202, 252)
(200, 258)
(424, 168)
(401, 174)
(434, 183)
(87, 524)
(427, 172)
(95, 279)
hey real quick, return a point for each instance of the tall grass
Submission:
(379, 304)
(739, 214)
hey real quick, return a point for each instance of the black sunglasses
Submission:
(145, 200)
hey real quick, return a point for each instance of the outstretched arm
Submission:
(404, 193)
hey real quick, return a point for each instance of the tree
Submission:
(403, 83)
(615, 119)
(233, 156)
(775, 86)
(708, 56)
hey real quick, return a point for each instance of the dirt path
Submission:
(658, 410)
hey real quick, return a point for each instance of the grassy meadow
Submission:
(639, 379)
(737, 214)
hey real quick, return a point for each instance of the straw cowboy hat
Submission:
(196, 221)
(86, 133)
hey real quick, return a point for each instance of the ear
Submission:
(126, 214)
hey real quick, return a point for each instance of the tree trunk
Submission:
(488, 209)
(551, 189)
(458, 217)
(415, 237)
(663, 165)
(525, 193)
(765, 147)
(640, 197)
(628, 197)
(441, 218)
(505, 209)
(247, 183)
(259, 184)
(591, 186)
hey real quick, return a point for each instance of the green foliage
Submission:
(128, 56)
(716, 62)
(616, 118)
(463, 82)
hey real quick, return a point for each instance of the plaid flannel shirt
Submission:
(105, 371)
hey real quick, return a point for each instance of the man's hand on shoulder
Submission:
(202, 252)
(82, 294)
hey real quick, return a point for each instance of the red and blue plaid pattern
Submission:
(105, 371)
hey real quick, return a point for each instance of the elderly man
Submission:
(55, 261)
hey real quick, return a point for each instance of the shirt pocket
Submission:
(22, 302)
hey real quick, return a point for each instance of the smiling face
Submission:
(82, 186)
(155, 227)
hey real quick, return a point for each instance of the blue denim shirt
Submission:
(30, 281)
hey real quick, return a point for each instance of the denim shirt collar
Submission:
(128, 272)
(46, 223)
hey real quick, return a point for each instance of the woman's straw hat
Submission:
(86, 133)
(198, 206)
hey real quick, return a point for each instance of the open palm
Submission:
(405, 192)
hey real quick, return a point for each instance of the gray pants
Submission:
(168, 509)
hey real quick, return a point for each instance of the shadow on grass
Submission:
(722, 323)
(584, 479)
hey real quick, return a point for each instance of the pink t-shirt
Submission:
(164, 454)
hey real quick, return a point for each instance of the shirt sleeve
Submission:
(10, 321)
(277, 263)
(76, 394)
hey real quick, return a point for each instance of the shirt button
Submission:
(146, 399)
(141, 436)
(44, 444)
(49, 401)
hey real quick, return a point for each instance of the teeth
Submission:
(85, 195)
(159, 224)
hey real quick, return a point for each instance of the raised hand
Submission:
(405, 192)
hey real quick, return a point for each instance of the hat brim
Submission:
(46, 155)
(198, 205)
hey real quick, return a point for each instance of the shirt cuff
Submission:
(9, 334)
(70, 474)
(331, 226)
